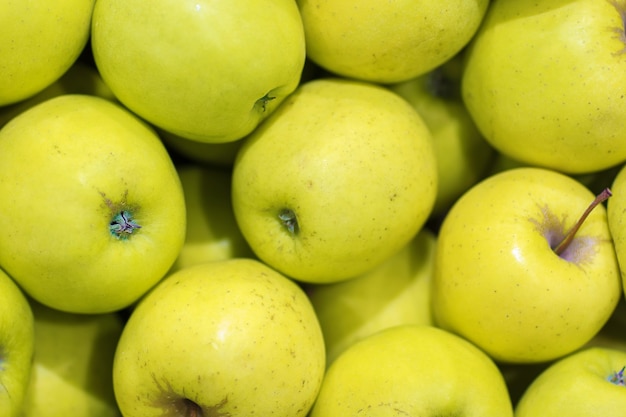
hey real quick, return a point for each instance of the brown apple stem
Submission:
(600, 198)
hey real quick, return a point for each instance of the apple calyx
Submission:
(617, 378)
(123, 225)
(569, 236)
(262, 102)
(288, 219)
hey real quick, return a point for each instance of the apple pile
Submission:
(312, 208)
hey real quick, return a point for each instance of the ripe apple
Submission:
(387, 42)
(17, 341)
(337, 180)
(226, 338)
(212, 232)
(515, 276)
(72, 364)
(79, 79)
(586, 383)
(96, 214)
(204, 70)
(544, 82)
(396, 292)
(616, 209)
(463, 155)
(413, 371)
(40, 41)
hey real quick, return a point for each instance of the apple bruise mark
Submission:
(617, 378)
(288, 219)
(122, 225)
(620, 6)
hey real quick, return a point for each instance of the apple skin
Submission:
(226, 338)
(17, 341)
(544, 82)
(397, 292)
(178, 66)
(387, 42)
(413, 370)
(351, 164)
(94, 160)
(72, 364)
(577, 386)
(463, 155)
(497, 281)
(616, 207)
(212, 231)
(40, 41)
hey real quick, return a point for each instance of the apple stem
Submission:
(600, 198)
(617, 378)
(123, 225)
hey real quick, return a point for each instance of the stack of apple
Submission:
(313, 208)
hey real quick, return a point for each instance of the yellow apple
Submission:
(72, 364)
(228, 338)
(394, 293)
(337, 180)
(17, 340)
(204, 70)
(544, 82)
(387, 41)
(589, 382)
(96, 215)
(413, 370)
(508, 278)
(40, 41)
(463, 155)
(212, 232)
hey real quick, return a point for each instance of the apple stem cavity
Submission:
(617, 378)
(123, 225)
(288, 219)
(600, 198)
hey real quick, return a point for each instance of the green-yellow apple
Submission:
(40, 41)
(387, 42)
(463, 155)
(17, 340)
(212, 232)
(525, 267)
(203, 70)
(394, 293)
(72, 365)
(79, 79)
(335, 181)
(96, 213)
(413, 370)
(544, 82)
(226, 338)
(216, 154)
(616, 209)
(589, 382)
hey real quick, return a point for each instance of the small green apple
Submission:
(212, 231)
(394, 293)
(586, 383)
(413, 371)
(337, 180)
(387, 42)
(17, 340)
(616, 209)
(72, 364)
(40, 41)
(204, 70)
(96, 214)
(544, 82)
(227, 338)
(463, 155)
(518, 270)
(79, 79)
